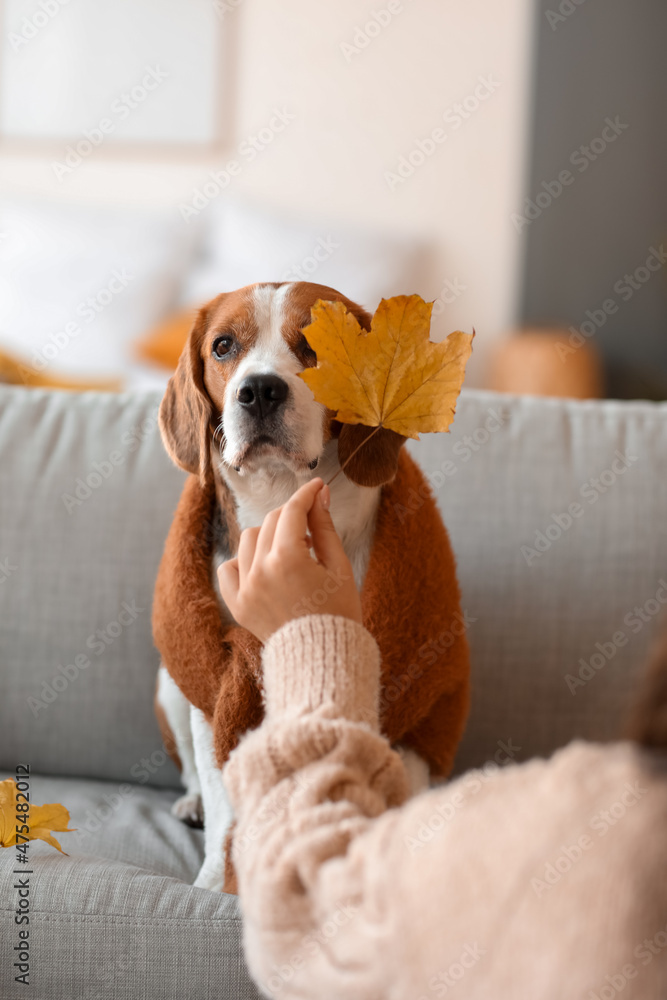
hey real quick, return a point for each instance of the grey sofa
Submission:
(557, 514)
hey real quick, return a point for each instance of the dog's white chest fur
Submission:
(353, 508)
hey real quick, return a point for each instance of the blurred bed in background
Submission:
(102, 297)
(505, 161)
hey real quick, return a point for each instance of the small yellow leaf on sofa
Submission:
(40, 820)
(391, 376)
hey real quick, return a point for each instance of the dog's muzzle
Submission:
(261, 396)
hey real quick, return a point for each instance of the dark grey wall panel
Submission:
(605, 59)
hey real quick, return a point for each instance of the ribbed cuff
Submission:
(322, 660)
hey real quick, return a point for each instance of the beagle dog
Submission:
(237, 417)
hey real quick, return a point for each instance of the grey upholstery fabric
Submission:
(565, 605)
(112, 920)
(75, 567)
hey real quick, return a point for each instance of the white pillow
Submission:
(245, 244)
(79, 284)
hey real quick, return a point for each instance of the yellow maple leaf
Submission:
(391, 376)
(40, 820)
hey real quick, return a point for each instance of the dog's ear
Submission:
(186, 410)
(376, 461)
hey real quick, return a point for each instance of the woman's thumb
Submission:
(328, 546)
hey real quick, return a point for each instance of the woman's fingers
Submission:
(266, 533)
(273, 575)
(246, 553)
(328, 546)
(292, 526)
(228, 580)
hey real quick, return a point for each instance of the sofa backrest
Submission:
(556, 510)
(85, 504)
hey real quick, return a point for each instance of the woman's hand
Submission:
(274, 577)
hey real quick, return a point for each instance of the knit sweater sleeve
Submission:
(344, 897)
(304, 786)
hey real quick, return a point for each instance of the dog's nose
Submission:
(262, 394)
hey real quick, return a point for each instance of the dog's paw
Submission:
(213, 881)
(210, 877)
(189, 809)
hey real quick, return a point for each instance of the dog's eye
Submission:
(306, 351)
(223, 346)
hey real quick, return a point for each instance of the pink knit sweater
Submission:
(544, 880)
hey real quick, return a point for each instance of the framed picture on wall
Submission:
(142, 75)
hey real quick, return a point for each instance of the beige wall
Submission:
(356, 113)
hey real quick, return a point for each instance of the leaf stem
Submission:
(353, 453)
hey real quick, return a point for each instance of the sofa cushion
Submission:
(86, 501)
(113, 919)
(556, 510)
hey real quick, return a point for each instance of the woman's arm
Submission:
(303, 787)
(497, 877)
(314, 775)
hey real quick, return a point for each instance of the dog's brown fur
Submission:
(648, 720)
(410, 598)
